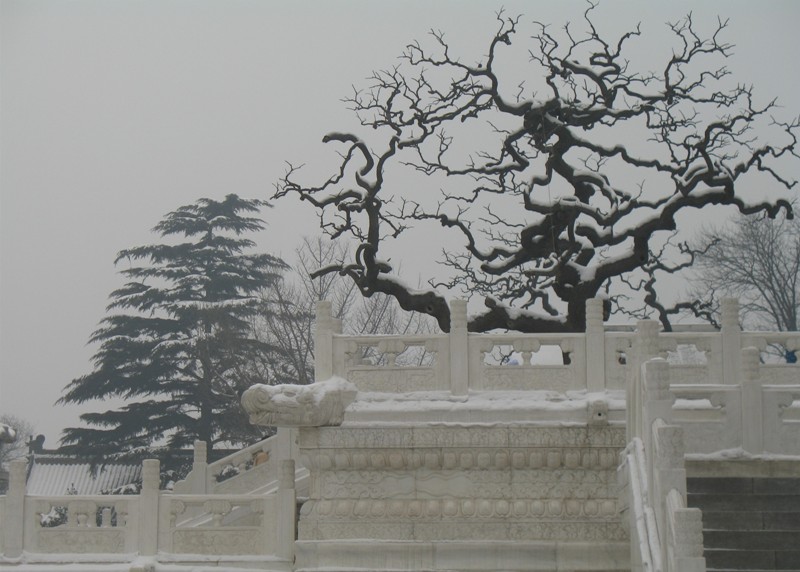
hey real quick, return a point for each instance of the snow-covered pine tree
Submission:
(177, 345)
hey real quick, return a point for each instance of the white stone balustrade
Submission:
(759, 415)
(596, 360)
(666, 536)
(119, 528)
(251, 469)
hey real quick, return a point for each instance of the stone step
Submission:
(733, 502)
(750, 520)
(748, 560)
(730, 485)
(776, 540)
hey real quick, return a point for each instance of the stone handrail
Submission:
(251, 469)
(757, 416)
(596, 360)
(120, 527)
(632, 475)
(665, 535)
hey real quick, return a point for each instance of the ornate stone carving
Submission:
(81, 540)
(669, 453)
(529, 378)
(315, 405)
(395, 380)
(236, 540)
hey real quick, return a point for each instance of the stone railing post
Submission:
(731, 341)
(752, 426)
(287, 512)
(595, 346)
(148, 508)
(14, 517)
(200, 478)
(323, 342)
(685, 553)
(459, 348)
(645, 346)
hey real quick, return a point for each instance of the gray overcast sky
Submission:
(115, 112)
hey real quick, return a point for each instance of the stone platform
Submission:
(462, 497)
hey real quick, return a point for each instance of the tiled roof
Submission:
(54, 475)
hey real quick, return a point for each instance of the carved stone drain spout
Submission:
(315, 405)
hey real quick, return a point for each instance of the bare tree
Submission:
(635, 294)
(18, 447)
(290, 324)
(757, 260)
(556, 176)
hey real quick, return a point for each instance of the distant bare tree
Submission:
(19, 447)
(556, 175)
(290, 324)
(757, 260)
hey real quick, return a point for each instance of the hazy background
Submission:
(113, 113)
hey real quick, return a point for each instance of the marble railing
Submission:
(595, 360)
(760, 415)
(666, 536)
(253, 469)
(122, 527)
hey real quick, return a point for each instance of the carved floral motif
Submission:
(232, 541)
(81, 541)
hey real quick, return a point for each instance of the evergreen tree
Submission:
(177, 344)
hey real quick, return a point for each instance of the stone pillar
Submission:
(200, 479)
(595, 346)
(645, 346)
(752, 426)
(287, 512)
(657, 398)
(323, 342)
(687, 554)
(14, 517)
(148, 508)
(731, 341)
(459, 348)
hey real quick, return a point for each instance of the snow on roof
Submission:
(54, 475)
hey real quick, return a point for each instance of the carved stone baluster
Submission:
(527, 347)
(218, 509)
(105, 517)
(176, 508)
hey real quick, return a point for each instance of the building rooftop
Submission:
(55, 475)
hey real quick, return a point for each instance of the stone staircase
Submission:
(749, 524)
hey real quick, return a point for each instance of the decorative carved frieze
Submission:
(509, 530)
(530, 378)
(462, 458)
(462, 508)
(452, 436)
(395, 380)
(449, 482)
(231, 540)
(81, 540)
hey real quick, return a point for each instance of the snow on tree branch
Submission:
(555, 175)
